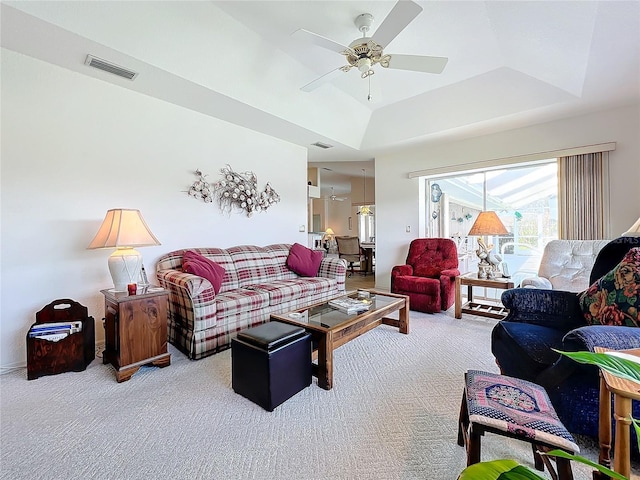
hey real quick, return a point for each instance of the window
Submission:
(525, 197)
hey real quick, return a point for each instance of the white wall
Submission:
(338, 217)
(73, 147)
(397, 196)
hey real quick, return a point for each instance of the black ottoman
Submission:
(271, 363)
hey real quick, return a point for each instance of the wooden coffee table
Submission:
(330, 328)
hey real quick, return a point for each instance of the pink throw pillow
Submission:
(304, 261)
(200, 265)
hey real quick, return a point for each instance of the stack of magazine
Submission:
(55, 331)
(350, 305)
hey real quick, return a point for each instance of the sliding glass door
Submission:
(524, 197)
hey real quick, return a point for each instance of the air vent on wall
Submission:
(100, 64)
(322, 145)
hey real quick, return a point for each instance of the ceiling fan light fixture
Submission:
(365, 210)
(364, 64)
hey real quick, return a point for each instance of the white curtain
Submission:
(583, 196)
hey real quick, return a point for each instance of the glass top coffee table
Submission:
(331, 328)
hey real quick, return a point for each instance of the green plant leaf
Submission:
(636, 426)
(621, 367)
(498, 470)
(586, 461)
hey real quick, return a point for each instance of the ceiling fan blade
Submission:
(327, 77)
(319, 40)
(399, 17)
(418, 63)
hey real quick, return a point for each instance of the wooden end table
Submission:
(623, 392)
(476, 307)
(135, 330)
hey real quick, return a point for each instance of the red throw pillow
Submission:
(200, 265)
(304, 261)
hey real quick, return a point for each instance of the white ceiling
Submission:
(511, 64)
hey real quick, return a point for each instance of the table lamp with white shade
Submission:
(328, 238)
(124, 229)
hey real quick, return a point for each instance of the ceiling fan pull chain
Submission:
(369, 96)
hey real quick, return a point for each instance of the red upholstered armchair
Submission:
(429, 277)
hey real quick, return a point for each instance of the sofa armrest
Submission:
(401, 271)
(191, 298)
(585, 339)
(175, 279)
(613, 337)
(334, 268)
(537, 282)
(451, 272)
(549, 308)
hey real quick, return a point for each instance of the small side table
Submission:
(623, 392)
(476, 307)
(135, 330)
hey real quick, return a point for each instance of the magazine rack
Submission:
(71, 354)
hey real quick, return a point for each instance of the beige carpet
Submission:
(391, 415)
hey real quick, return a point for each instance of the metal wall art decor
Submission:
(201, 188)
(235, 190)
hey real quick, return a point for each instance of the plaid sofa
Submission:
(257, 283)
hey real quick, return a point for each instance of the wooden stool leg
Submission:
(537, 459)
(468, 434)
(463, 421)
(473, 446)
(564, 469)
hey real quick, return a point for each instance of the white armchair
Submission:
(566, 265)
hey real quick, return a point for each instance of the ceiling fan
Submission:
(366, 52)
(335, 198)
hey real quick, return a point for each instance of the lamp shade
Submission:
(124, 229)
(329, 232)
(634, 231)
(488, 223)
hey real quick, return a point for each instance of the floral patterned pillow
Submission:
(615, 298)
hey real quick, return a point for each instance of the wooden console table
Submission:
(476, 307)
(623, 392)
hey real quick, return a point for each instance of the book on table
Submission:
(350, 305)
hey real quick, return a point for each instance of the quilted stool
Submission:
(513, 408)
(271, 363)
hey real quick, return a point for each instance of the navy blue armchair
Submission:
(541, 320)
